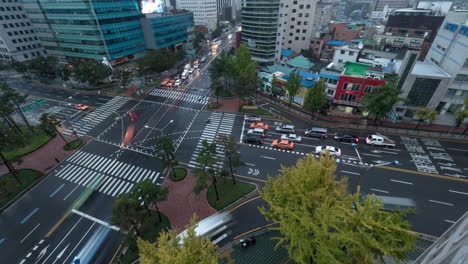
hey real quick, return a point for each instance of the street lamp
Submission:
(363, 168)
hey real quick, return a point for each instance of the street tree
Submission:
(6, 111)
(461, 114)
(293, 85)
(9, 138)
(16, 99)
(216, 86)
(245, 70)
(274, 83)
(320, 222)
(44, 67)
(49, 124)
(425, 114)
(171, 248)
(165, 152)
(206, 170)
(123, 76)
(316, 98)
(380, 102)
(198, 41)
(231, 153)
(150, 194)
(155, 61)
(127, 213)
(91, 72)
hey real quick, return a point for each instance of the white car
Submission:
(178, 82)
(292, 137)
(253, 118)
(334, 151)
(191, 70)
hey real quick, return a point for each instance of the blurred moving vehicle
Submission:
(334, 151)
(253, 118)
(211, 227)
(292, 137)
(81, 107)
(346, 138)
(282, 144)
(259, 125)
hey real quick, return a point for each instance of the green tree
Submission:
(127, 213)
(320, 222)
(8, 139)
(197, 42)
(308, 53)
(150, 194)
(245, 70)
(425, 114)
(380, 102)
(215, 86)
(91, 72)
(44, 66)
(274, 83)
(49, 124)
(231, 153)
(206, 171)
(123, 76)
(64, 73)
(10, 95)
(293, 85)
(6, 110)
(166, 153)
(155, 61)
(171, 248)
(316, 98)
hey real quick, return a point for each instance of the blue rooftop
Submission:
(337, 42)
(277, 68)
(357, 40)
(308, 75)
(304, 82)
(286, 52)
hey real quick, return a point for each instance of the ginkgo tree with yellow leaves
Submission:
(320, 222)
(171, 248)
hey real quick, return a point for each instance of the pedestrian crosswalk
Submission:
(84, 125)
(220, 123)
(179, 95)
(116, 177)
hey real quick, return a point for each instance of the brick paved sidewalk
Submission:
(229, 105)
(42, 159)
(182, 202)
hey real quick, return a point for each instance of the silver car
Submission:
(334, 151)
(253, 118)
(292, 137)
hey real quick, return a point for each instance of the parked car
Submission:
(334, 151)
(178, 82)
(253, 118)
(252, 138)
(283, 144)
(292, 137)
(256, 131)
(285, 129)
(346, 138)
(81, 107)
(259, 125)
(317, 132)
(191, 70)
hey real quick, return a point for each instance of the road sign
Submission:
(36, 104)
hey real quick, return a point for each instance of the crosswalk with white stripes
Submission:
(91, 120)
(220, 123)
(116, 177)
(179, 95)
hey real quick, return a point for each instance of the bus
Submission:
(211, 227)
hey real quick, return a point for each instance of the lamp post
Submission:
(363, 168)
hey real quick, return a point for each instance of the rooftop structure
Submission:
(300, 62)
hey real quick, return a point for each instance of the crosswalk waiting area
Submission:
(83, 126)
(220, 123)
(116, 177)
(179, 95)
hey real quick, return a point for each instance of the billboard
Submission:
(152, 6)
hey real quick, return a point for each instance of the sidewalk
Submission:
(355, 123)
(228, 105)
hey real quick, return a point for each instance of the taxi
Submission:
(283, 144)
(259, 125)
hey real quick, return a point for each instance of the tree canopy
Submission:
(315, 97)
(320, 222)
(166, 153)
(425, 114)
(293, 85)
(91, 72)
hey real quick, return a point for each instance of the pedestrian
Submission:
(57, 160)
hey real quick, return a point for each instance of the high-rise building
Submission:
(18, 41)
(88, 29)
(204, 12)
(259, 28)
(392, 4)
(295, 25)
(224, 8)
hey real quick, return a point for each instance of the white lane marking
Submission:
(452, 191)
(450, 221)
(464, 150)
(30, 233)
(373, 155)
(70, 192)
(439, 202)
(249, 164)
(377, 190)
(94, 219)
(35, 247)
(270, 158)
(242, 130)
(409, 183)
(350, 172)
(79, 242)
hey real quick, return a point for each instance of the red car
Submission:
(283, 144)
(133, 115)
(81, 107)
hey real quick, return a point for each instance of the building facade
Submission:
(259, 20)
(205, 12)
(391, 4)
(81, 29)
(224, 9)
(18, 40)
(167, 29)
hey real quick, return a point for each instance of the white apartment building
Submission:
(295, 25)
(204, 12)
(18, 41)
(450, 51)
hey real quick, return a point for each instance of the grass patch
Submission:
(119, 91)
(10, 188)
(73, 145)
(228, 192)
(259, 111)
(213, 105)
(180, 174)
(225, 93)
(150, 230)
(32, 142)
(152, 84)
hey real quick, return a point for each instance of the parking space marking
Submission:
(378, 190)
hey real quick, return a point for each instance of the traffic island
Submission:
(11, 186)
(180, 174)
(73, 145)
(228, 192)
(213, 105)
(254, 110)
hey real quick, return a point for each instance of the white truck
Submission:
(184, 75)
(380, 140)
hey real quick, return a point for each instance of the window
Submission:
(294, 10)
(291, 27)
(457, 93)
(308, 6)
(340, 61)
(304, 31)
(25, 56)
(296, 38)
(301, 6)
(348, 97)
(461, 78)
(330, 92)
(351, 53)
(5, 25)
(300, 15)
(342, 52)
(353, 87)
(306, 14)
(14, 41)
(299, 23)
(290, 34)
(305, 23)
(422, 91)
(369, 89)
(289, 42)
(298, 31)
(295, 3)
(293, 19)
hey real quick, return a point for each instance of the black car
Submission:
(253, 139)
(346, 138)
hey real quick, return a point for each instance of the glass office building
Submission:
(167, 29)
(88, 29)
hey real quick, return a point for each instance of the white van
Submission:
(256, 131)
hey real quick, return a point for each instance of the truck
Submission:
(184, 75)
(187, 66)
(380, 140)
